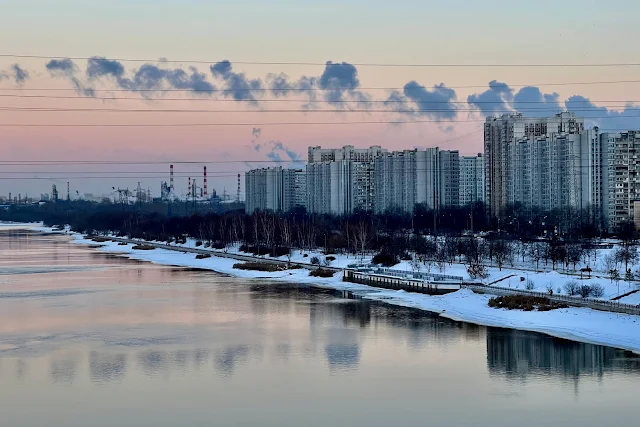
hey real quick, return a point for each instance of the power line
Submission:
(205, 91)
(167, 125)
(344, 101)
(295, 110)
(358, 64)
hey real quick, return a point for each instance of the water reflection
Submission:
(107, 367)
(227, 361)
(172, 334)
(519, 355)
(63, 371)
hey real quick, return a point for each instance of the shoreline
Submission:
(576, 324)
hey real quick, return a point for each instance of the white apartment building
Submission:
(623, 175)
(471, 179)
(512, 142)
(449, 185)
(348, 152)
(274, 189)
(339, 187)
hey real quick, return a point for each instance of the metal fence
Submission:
(613, 306)
(432, 277)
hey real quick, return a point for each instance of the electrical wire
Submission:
(328, 63)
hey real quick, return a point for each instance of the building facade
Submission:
(518, 148)
(623, 176)
(274, 189)
(318, 154)
(471, 179)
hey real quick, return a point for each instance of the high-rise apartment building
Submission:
(449, 185)
(471, 179)
(339, 187)
(274, 189)
(348, 152)
(623, 175)
(512, 142)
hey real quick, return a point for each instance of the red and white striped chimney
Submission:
(205, 182)
(189, 193)
(171, 178)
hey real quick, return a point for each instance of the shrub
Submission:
(305, 256)
(406, 257)
(199, 243)
(315, 260)
(144, 247)
(218, 245)
(203, 256)
(330, 251)
(524, 302)
(330, 258)
(385, 259)
(584, 291)
(597, 291)
(122, 244)
(530, 285)
(572, 287)
(321, 272)
(258, 266)
(244, 248)
(280, 251)
(100, 239)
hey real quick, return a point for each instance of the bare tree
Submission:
(361, 237)
(286, 236)
(536, 252)
(627, 254)
(502, 252)
(268, 225)
(574, 254)
(223, 225)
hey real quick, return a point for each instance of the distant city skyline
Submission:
(405, 32)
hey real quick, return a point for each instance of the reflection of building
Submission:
(518, 354)
(107, 367)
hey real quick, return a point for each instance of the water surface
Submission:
(90, 339)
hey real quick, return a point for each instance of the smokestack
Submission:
(171, 178)
(205, 182)
(68, 193)
(189, 192)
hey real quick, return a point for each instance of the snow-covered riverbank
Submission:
(579, 324)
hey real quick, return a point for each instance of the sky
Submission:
(229, 57)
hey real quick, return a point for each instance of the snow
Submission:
(580, 324)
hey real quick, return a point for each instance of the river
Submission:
(92, 339)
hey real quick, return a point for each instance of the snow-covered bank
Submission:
(579, 324)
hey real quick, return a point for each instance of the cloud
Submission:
(497, 99)
(149, 77)
(532, 102)
(237, 85)
(20, 74)
(16, 73)
(339, 82)
(627, 119)
(66, 68)
(437, 103)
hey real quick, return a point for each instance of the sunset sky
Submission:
(351, 33)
